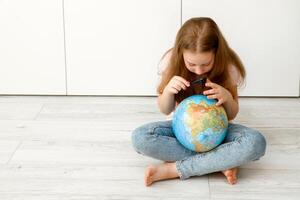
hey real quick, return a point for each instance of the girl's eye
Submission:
(205, 65)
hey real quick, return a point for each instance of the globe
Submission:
(199, 124)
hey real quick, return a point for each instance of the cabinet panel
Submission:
(266, 35)
(114, 47)
(32, 47)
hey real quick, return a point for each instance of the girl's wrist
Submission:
(166, 92)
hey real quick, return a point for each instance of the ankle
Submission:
(171, 169)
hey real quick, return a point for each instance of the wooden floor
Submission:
(79, 148)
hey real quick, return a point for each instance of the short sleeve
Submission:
(234, 75)
(162, 66)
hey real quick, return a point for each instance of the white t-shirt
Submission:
(163, 64)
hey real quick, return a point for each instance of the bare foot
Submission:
(160, 172)
(231, 175)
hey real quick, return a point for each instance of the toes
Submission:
(234, 173)
(228, 172)
(231, 175)
(148, 175)
(231, 180)
(148, 181)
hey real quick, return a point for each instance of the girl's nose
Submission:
(199, 71)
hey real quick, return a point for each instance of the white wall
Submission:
(113, 47)
(32, 47)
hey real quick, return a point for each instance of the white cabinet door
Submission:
(266, 35)
(113, 47)
(31, 47)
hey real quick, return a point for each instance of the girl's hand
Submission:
(176, 84)
(217, 92)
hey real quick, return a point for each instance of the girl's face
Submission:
(199, 63)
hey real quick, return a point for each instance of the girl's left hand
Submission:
(217, 92)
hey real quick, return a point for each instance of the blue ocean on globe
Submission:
(199, 124)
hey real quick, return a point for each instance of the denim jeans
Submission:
(241, 145)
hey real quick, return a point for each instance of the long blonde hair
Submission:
(200, 35)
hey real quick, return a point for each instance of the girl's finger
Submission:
(185, 82)
(212, 91)
(208, 80)
(173, 90)
(211, 84)
(183, 86)
(212, 96)
(220, 102)
(177, 87)
(180, 84)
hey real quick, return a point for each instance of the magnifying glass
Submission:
(200, 81)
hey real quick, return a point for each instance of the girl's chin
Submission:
(204, 75)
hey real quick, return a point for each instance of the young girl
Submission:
(200, 50)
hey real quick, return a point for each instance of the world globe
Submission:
(199, 124)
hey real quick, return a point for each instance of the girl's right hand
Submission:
(176, 84)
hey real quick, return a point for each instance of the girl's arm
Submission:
(166, 103)
(231, 107)
(166, 100)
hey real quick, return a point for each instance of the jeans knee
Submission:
(138, 139)
(258, 144)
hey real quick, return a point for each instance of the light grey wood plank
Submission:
(142, 100)
(269, 112)
(7, 149)
(19, 128)
(281, 136)
(283, 149)
(67, 131)
(90, 197)
(96, 153)
(257, 184)
(79, 99)
(100, 112)
(19, 111)
(269, 123)
(90, 182)
(278, 157)
(273, 101)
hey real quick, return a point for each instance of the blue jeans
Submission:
(241, 145)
